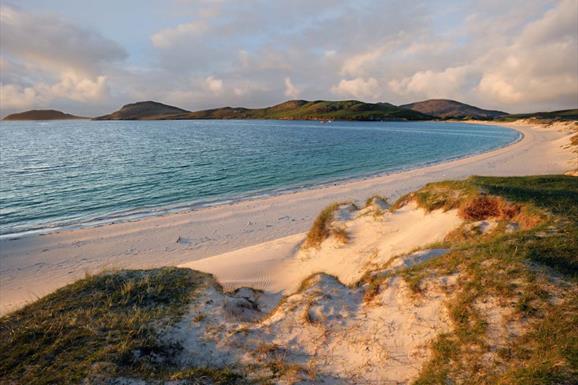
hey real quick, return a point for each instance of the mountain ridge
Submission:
(289, 110)
(299, 109)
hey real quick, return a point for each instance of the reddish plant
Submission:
(479, 208)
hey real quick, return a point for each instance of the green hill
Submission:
(451, 109)
(148, 110)
(315, 110)
(42, 115)
(550, 115)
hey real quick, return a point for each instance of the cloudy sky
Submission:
(90, 57)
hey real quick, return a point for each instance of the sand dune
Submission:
(376, 236)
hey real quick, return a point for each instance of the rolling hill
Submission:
(147, 110)
(41, 115)
(451, 109)
(290, 110)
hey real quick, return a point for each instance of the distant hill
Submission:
(41, 115)
(148, 110)
(316, 110)
(555, 115)
(451, 109)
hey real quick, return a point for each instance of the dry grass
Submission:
(99, 327)
(369, 201)
(484, 206)
(341, 235)
(321, 228)
(372, 290)
(574, 140)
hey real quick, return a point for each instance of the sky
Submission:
(90, 57)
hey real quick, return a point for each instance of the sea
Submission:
(67, 174)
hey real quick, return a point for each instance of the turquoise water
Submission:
(65, 173)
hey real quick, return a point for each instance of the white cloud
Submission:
(214, 85)
(167, 38)
(48, 43)
(368, 89)
(290, 90)
(449, 83)
(46, 60)
(70, 87)
(522, 67)
(516, 56)
(541, 65)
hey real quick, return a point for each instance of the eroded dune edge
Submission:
(461, 282)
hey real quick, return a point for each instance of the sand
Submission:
(376, 236)
(34, 266)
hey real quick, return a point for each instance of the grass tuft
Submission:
(321, 228)
(369, 201)
(341, 235)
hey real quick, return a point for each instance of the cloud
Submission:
(47, 60)
(214, 85)
(49, 43)
(451, 82)
(69, 87)
(518, 56)
(169, 37)
(290, 90)
(541, 65)
(367, 89)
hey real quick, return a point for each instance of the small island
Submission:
(42, 115)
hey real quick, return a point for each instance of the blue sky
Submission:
(90, 57)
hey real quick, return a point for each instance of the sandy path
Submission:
(33, 266)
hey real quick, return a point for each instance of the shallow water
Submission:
(66, 173)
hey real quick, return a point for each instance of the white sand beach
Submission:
(246, 243)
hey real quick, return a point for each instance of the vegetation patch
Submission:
(322, 228)
(533, 271)
(341, 235)
(445, 195)
(376, 198)
(574, 140)
(101, 327)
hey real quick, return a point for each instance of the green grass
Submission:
(516, 269)
(99, 327)
(445, 195)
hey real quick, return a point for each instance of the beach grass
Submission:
(101, 327)
(321, 227)
(518, 270)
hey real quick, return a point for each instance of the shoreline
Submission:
(178, 208)
(33, 266)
